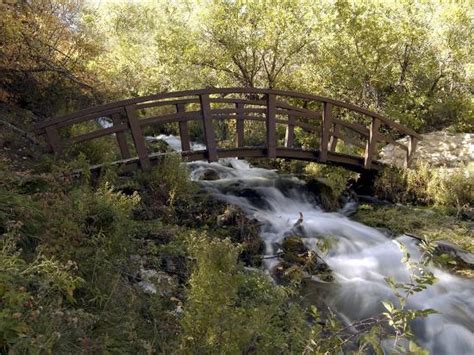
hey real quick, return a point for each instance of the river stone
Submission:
(209, 175)
(298, 262)
(323, 194)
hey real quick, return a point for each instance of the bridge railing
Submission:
(319, 117)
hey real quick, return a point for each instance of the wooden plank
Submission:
(325, 131)
(371, 146)
(335, 135)
(172, 117)
(290, 132)
(166, 103)
(183, 129)
(240, 124)
(209, 134)
(54, 140)
(413, 141)
(271, 126)
(362, 130)
(138, 138)
(121, 139)
(98, 133)
(230, 111)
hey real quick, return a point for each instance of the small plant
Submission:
(399, 317)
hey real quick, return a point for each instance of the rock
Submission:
(299, 263)
(209, 175)
(439, 148)
(463, 258)
(229, 217)
(323, 194)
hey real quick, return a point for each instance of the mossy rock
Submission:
(296, 256)
(323, 194)
(209, 175)
(294, 250)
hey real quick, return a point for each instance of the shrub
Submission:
(427, 186)
(230, 310)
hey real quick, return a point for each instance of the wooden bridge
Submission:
(329, 131)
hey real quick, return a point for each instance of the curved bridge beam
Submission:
(324, 123)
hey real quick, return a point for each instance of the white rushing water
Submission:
(360, 257)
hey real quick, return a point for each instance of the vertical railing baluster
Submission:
(413, 141)
(54, 140)
(325, 131)
(209, 134)
(121, 139)
(271, 126)
(138, 138)
(334, 137)
(290, 132)
(183, 128)
(240, 124)
(371, 146)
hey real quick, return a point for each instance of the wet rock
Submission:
(323, 194)
(254, 197)
(299, 263)
(463, 258)
(209, 175)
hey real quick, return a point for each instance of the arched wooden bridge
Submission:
(325, 126)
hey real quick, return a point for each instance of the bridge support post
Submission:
(183, 129)
(54, 140)
(271, 126)
(121, 140)
(371, 146)
(334, 137)
(413, 141)
(290, 132)
(325, 130)
(209, 134)
(138, 138)
(240, 124)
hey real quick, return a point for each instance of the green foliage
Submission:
(399, 317)
(430, 222)
(30, 293)
(452, 189)
(44, 55)
(248, 311)
(166, 186)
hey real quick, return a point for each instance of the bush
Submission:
(427, 186)
(229, 310)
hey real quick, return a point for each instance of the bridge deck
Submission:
(324, 126)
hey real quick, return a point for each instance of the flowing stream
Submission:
(359, 256)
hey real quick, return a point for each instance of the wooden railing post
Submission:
(413, 141)
(183, 129)
(271, 126)
(325, 131)
(290, 132)
(240, 124)
(138, 138)
(54, 140)
(334, 137)
(121, 139)
(209, 134)
(371, 146)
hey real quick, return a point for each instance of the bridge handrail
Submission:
(330, 127)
